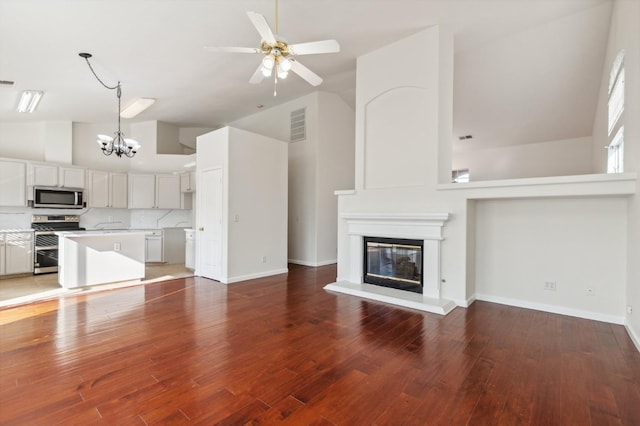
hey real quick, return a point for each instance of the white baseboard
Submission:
(313, 264)
(464, 303)
(613, 319)
(633, 335)
(239, 278)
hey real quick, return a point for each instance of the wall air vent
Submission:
(7, 83)
(298, 125)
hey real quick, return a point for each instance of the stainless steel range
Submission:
(46, 242)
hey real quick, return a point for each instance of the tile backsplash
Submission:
(99, 218)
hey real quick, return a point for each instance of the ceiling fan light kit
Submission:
(278, 54)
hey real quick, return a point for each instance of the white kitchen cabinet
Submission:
(142, 191)
(153, 246)
(13, 179)
(154, 191)
(71, 177)
(168, 191)
(187, 182)
(118, 190)
(17, 253)
(107, 189)
(43, 174)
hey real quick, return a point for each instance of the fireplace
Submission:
(393, 262)
(408, 229)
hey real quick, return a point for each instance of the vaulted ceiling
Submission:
(506, 52)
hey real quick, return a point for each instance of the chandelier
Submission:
(118, 145)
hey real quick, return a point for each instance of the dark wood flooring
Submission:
(283, 350)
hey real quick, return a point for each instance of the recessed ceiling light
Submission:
(136, 107)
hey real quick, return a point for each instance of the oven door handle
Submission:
(44, 248)
(44, 233)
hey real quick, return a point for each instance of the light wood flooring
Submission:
(281, 350)
(27, 288)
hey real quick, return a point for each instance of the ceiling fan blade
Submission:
(262, 26)
(313, 47)
(232, 49)
(257, 76)
(304, 72)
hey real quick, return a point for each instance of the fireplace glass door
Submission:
(392, 262)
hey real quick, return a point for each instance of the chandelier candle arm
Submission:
(118, 145)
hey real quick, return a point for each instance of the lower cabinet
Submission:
(16, 253)
(153, 246)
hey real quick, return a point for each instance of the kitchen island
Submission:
(98, 257)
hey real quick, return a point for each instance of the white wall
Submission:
(22, 140)
(578, 243)
(254, 200)
(555, 158)
(318, 165)
(482, 239)
(335, 158)
(376, 80)
(624, 34)
(257, 205)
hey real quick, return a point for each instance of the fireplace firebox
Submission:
(393, 262)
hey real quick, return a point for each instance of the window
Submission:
(615, 153)
(460, 176)
(615, 149)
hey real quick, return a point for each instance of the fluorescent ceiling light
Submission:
(136, 107)
(29, 100)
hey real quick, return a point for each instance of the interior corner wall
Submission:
(555, 158)
(58, 147)
(626, 21)
(275, 123)
(335, 159)
(168, 140)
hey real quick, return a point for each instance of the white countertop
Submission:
(6, 231)
(65, 234)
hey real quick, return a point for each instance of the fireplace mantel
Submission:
(426, 226)
(419, 226)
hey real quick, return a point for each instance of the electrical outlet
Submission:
(550, 285)
(109, 219)
(264, 259)
(629, 309)
(591, 291)
(117, 247)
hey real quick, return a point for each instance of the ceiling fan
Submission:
(278, 55)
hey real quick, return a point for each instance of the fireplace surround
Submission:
(393, 263)
(424, 227)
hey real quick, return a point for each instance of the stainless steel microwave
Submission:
(57, 198)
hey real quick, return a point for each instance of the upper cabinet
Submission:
(13, 178)
(107, 189)
(154, 191)
(42, 174)
(71, 177)
(168, 192)
(188, 182)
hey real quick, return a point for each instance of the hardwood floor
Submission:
(283, 350)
